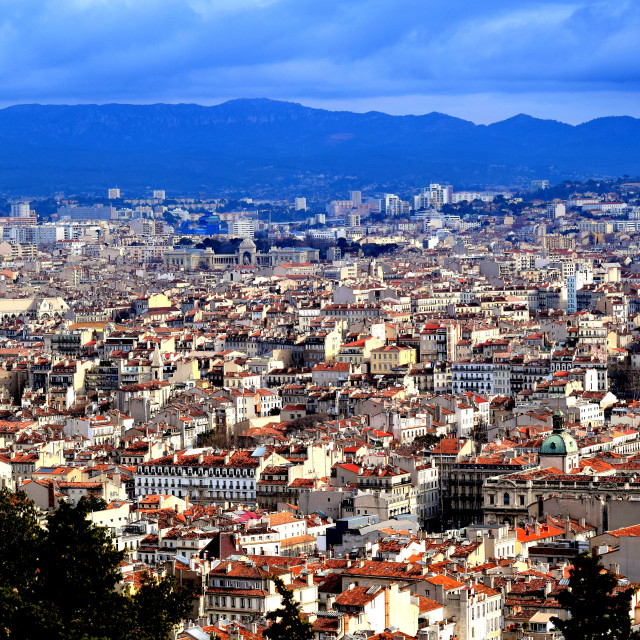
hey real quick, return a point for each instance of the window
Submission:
(506, 499)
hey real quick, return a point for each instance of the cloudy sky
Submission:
(480, 60)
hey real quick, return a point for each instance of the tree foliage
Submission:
(599, 610)
(60, 581)
(93, 503)
(19, 536)
(425, 441)
(286, 622)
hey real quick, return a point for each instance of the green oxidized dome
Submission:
(559, 443)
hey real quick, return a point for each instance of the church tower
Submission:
(157, 368)
(559, 450)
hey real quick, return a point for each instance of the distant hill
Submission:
(267, 147)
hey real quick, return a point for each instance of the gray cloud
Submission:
(336, 50)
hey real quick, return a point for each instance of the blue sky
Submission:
(483, 61)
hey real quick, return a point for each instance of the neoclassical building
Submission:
(246, 254)
(510, 498)
(39, 308)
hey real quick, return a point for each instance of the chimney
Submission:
(489, 580)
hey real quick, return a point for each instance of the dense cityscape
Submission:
(414, 413)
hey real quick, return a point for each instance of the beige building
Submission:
(359, 351)
(386, 359)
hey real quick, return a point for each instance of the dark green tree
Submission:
(79, 571)
(92, 503)
(286, 622)
(151, 612)
(599, 610)
(60, 581)
(19, 537)
(427, 440)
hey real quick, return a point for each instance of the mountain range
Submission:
(264, 147)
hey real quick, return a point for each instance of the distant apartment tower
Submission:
(356, 198)
(470, 196)
(301, 204)
(539, 185)
(433, 197)
(353, 220)
(242, 228)
(556, 210)
(20, 210)
(159, 194)
(114, 194)
(85, 212)
(390, 205)
(556, 241)
(440, 194)
(574, 284)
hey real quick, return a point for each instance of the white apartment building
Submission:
(20, 210)
(242, 228)
(575, 282)
(390, 205)
(556, 210)
(196, 474)
(433, 196)
(476, 376)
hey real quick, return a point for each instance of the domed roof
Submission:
(559, 444)
(247, 244)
